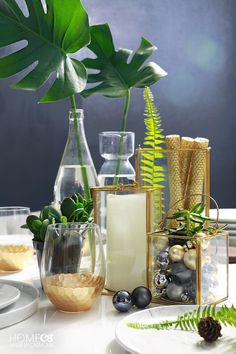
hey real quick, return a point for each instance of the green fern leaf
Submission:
(153, 176)
(189, 320)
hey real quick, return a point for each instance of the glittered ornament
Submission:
(190, 259)
(163, 260)
(122, 301)
(141, 297)
(190, 290)
(160, 280)
(185, 297)
(174, 292)
(176, 253)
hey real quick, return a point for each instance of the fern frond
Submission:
(189, 320)
(153, 176)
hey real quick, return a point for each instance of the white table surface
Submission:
(52, 331)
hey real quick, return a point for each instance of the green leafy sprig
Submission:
(189, 320)
(192, 221)
(51, 37)
(118, 72)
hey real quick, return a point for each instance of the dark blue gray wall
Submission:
(196, 47)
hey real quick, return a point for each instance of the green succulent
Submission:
(77, 209)
(190, 222)
(74, 209)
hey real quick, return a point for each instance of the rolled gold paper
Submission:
(174, 172)
(198, 165)
(187, 144)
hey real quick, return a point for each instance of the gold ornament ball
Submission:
(176, 253)
(190, 259)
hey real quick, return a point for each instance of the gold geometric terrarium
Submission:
(196, 276)
(192, 268)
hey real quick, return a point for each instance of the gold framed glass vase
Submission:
(188, 270)
(125, 214)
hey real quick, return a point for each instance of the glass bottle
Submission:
(76, 173)
(116, 148)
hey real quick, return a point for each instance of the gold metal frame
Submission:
(198, 265)
(130, 188)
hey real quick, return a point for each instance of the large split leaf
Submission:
(116, 75)
(50, 37)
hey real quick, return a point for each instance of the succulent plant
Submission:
(191, 222)
(73, 209)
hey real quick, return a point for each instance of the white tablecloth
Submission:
(51, 331)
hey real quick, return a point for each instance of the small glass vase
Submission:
(73, 266)
(116, 148)
(76, 173)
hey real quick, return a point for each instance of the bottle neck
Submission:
(76, 124)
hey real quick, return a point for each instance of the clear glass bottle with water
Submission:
(76, 173)
(116, 148)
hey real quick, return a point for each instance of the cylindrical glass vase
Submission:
(73, 266)
(116, 148)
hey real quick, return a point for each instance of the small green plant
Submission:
(191, 222)
(74, 209)
(189, 321)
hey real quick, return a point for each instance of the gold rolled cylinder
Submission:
(198, 168)
(187, 144)
(173, 142)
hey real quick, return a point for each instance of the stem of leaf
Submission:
(87, 194)
(123, 128)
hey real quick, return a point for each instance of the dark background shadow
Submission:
(196, 47)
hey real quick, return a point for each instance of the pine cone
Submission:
(209, 329)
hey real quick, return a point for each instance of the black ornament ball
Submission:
(122, 301)
(141, 297)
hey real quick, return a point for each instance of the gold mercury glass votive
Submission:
(73, 266)
(14, 257)
(73, 292)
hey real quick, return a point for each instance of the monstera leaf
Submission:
(50, 37)
(116, 76)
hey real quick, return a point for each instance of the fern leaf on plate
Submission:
(189, 320)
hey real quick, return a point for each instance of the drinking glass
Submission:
(15, 243)
(11, 220)
(73, 265)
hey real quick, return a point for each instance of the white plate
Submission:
(151, 341)
(8, 295)
(21, 309)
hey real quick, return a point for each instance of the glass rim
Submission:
(111, 132)
(65, 225)
(16, 208)
(77, 110)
